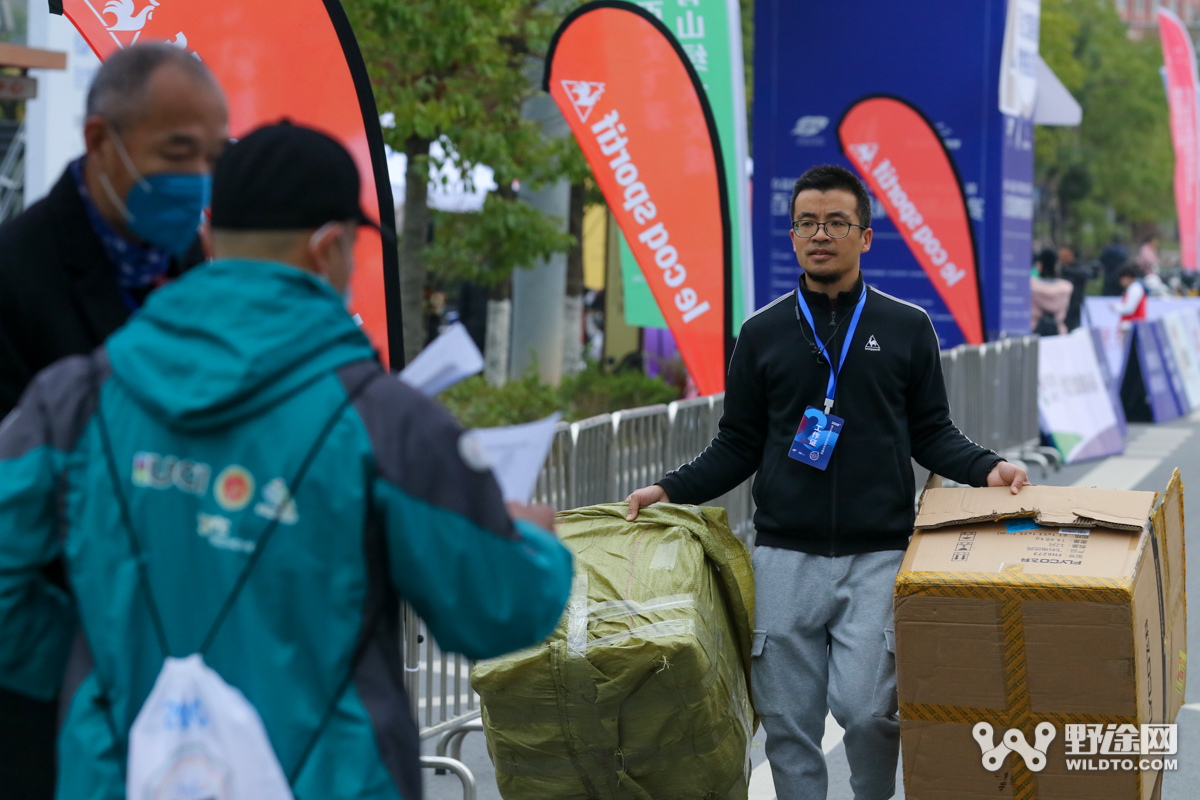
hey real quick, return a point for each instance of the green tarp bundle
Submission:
(642, 691)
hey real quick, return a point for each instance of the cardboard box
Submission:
(1056, 612)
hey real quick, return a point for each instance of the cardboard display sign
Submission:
(638, 111)
(1184, 354)
(902, 158)
(1075, 404)
(1148, 391)
(1034, 634)
(297, 60)
(1100, 316)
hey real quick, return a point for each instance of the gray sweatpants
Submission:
(824, 642)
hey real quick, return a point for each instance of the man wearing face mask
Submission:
(241, 412)
(121, 221)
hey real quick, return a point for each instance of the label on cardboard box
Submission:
(1021, 543)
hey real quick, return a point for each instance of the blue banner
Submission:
(943, 56)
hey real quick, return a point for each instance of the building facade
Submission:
(1141, 14)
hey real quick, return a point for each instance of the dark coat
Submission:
(58, 297)
(58, 290)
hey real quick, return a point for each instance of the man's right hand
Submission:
(645, 497)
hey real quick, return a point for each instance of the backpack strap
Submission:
(293, 489)
(140, 560)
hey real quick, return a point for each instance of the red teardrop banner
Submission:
(901, 157)
(281, 58)
(640, 115)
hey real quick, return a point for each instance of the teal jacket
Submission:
(212, 395)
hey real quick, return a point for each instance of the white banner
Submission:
(1099, 314)
(1185, 352)
(1074, 405)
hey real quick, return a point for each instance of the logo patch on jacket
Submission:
(872, 345)
(234, 488)
(276, 497)
(154, 471)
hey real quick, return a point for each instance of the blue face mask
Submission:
(164, 209)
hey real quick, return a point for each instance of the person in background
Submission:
(1147, 257)
(121, 221)
(1112, 259)
(1132, 305)
(830, 535)
(1078, 274)
(1051, 296)
(242, 401)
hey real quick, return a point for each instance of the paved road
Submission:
(1152, 453)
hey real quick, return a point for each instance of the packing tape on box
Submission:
(1011, 588)
(1017, 585)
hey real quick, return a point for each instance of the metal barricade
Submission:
(554, 481)
(439, 688)
(638, 446)
(692, 424)
(591, 463)
(992, 391)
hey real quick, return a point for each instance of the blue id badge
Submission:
(816, 438)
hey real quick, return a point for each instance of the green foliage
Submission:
(477, 404)
(1114, 171)
(594, 391)
(462, 69)
(487, 247)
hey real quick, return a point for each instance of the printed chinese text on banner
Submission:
(710, 32)
(637, 109)
(906, 165)
(296, 59)
(1179, 55)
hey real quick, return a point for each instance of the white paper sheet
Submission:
(516, 453)
(447, 360)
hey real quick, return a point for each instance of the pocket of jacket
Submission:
(764, 687)
(885, 701)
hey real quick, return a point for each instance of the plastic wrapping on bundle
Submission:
(642, 691)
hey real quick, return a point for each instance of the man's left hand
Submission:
(1006, 474)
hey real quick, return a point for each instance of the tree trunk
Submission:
(413, 238)
(573, 303)
(499, 333)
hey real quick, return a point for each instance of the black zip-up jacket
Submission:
(892, 397)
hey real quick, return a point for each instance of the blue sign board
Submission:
(944, 57)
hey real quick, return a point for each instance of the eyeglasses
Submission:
(834, 229)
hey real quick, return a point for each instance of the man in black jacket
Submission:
(120, 221)
(834, 489)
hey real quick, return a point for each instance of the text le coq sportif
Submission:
(609, 135)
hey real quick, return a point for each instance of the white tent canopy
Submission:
(1055, 105)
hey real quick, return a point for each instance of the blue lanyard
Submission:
(831, 389)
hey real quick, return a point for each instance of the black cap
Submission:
(285, 177)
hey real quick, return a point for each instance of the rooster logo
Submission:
(583, 96)
(126, 18)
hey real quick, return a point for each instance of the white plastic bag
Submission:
(198, 738)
